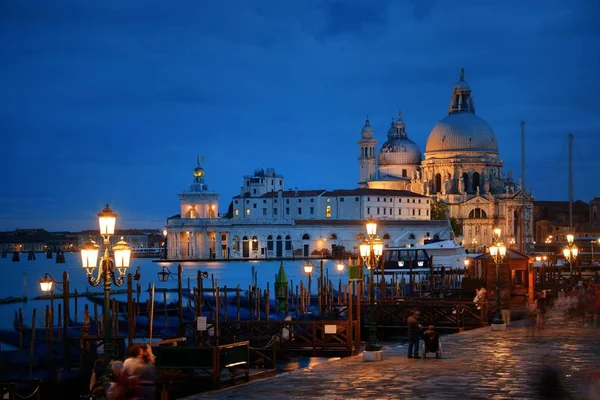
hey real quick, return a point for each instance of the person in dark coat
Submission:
(414, 334)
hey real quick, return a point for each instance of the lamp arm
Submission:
(117, 281)
(94, 281)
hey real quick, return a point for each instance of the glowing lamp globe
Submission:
(107, 220)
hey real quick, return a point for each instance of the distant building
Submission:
(268, 221)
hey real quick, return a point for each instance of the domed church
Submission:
(461, 167)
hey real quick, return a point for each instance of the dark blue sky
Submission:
(111, 101)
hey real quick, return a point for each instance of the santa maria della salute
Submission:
(397, 186)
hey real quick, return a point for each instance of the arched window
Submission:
(305, 237)
(466, 181)
(236, 243)
(477, 213)
(270, 242)
(333, 236)
(438, 183)
(288, 242)
(411, 236)
(386, 236)
(254, 243)
(476, 180)
(436, 237)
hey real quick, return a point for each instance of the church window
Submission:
(328, 200)
(306, 236)
(254, 205)
(312, 210)
(413, 211)
(247, 211)
(377, 210)
(287, 211)
(299, 210)
(384, 211)
(477, 213)
(384, 199)
(400, 200)
(237, 212)
(328, 212)
(368, 199)
(386, 236)
(269, 242)
(419, 211)
(399, 211)
(378, 199)
(368, 210)
(264, 201)
(275, 211)
(404, 173)
(264, 211)
(438, 183)
(391, 211)
(476, 181)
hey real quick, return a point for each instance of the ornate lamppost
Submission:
(570, 252)
(106, 270)
(370, 253)
(498, 252)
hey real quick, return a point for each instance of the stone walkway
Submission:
(478, 364)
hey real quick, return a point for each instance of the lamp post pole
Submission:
(370, 252)
(498, 251)
(106, 274)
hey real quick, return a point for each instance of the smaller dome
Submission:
(462, 85)
(400, 151)
(367, 130)
(198, 172)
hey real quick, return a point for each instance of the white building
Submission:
(268, 221)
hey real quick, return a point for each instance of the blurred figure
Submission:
(549, 383)
(540, 305)
(506, 306)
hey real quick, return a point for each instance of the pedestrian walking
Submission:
(414, 335)
(540, 304)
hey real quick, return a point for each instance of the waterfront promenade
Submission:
(477, 364)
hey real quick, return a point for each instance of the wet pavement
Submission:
(478, 364)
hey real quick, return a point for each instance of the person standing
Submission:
(540, 303)
(414, 334)
(506, 305)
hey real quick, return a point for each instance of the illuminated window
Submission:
(247, 211)
(237, 212)
(328, 200)
(328, 212)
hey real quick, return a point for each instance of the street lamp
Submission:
(106, 271)
(498, 251)
(370, 252)
(165, 252)
(570, 252)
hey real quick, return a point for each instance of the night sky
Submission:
(111, 101)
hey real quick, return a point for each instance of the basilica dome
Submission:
(399, 149)
(462, 130)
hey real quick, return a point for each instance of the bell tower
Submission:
(367, 155)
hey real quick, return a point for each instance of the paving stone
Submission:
(478, 364)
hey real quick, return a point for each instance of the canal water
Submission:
(21, 279)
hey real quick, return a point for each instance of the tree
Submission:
(440, 211)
